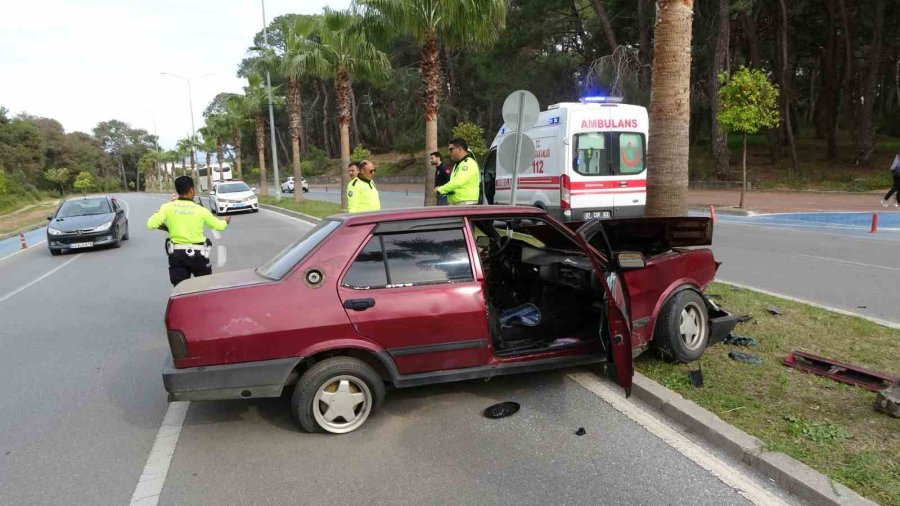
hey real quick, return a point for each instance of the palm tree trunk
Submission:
(296, 132)
(261, 153)
(431, 73)
(236, 140)
(325, 133)
(670, 93)
(209, 171)
(343, 103)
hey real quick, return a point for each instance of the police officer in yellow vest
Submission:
(465, 179)
(362, 194)
(184, 219)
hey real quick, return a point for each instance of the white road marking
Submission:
(879, 321)
(42, 241)
(726, 473)
(43, 276)
(221, 256)
(848, 262)
(150, 484)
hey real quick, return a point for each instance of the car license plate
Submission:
(597, 214)
(236, 206)
(81, 245)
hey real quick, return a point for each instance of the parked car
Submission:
(86, 222)
(288, 185)
(432, 295)
(233, 196)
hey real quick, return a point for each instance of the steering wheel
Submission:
(499, 244)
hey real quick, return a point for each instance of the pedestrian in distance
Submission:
(362, 194)
(895, 188)
(464, 186)
(441, 175)
(184, 221)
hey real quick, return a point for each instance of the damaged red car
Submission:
(432, 295)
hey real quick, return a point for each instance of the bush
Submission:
(4, 183)
(360, 153)
(318, 162)
(474, 135)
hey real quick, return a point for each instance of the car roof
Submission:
(418, 213)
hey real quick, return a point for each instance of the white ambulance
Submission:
(589, 161)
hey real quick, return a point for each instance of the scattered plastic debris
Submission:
(888, 401)
(501, 410)
(840, 371)
(744, 318)
(740, 340)
(696, 378)
(744, 357)
(862, 307)
(774, 310)
(580, 431)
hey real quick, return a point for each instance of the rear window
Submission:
(289, 257)
(608, 153)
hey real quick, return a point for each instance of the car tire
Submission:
(361, 389)
(125, 237)
(55, 252)
(682, 328)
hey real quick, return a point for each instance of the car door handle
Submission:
(359, 304)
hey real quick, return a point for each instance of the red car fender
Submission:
(676, 286)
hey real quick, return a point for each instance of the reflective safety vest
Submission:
(465, 182)
(185, 220)
(362, 196)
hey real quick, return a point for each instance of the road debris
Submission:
(696, 378)
(774, 310)
(744, 318)
(839, 371)
(740, 340)
(580, 431)
(888, 401)
(501, 410)
(744, 357)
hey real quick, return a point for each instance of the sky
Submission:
(81, 62)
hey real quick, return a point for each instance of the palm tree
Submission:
(299, 59)
(219, 129)
(184, 147)
(341, 50)
(454, 23)
(233, 122)
(254, 102)
(670, 102)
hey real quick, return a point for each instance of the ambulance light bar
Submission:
(599, 99)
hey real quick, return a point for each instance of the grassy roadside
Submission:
(829, 426)
(315, 208)
(27, 216)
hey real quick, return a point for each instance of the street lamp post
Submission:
(191, 105)
(271, 112)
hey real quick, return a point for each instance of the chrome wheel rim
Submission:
(342, 404)
(692, 326)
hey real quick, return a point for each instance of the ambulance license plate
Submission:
(81, 245)
(597, 214)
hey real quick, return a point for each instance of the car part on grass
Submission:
(580, 431)
(839, 371)
(888, 401)
(501, 410)
(744, 357)
(744, 318)
(774, 310)
(740, 340)
(696, 378)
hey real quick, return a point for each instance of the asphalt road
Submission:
(81, 401)
(841, 268)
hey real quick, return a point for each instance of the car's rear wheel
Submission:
(682, 328)
(336, 395)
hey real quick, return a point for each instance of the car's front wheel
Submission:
(336, 395)
(682, 328)
(55, 252)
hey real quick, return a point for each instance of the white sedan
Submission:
(233, 196)
(288, 185)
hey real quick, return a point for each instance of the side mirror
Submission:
(630, 260)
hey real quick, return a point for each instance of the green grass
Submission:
(316, 208)
(829, 426)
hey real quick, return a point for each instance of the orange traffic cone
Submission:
(22, 244)
(712, 213)
(874, 223)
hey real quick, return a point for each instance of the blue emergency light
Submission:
(600, 99)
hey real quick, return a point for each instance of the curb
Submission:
(793, 476)
(723, 210)
(288, 212)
